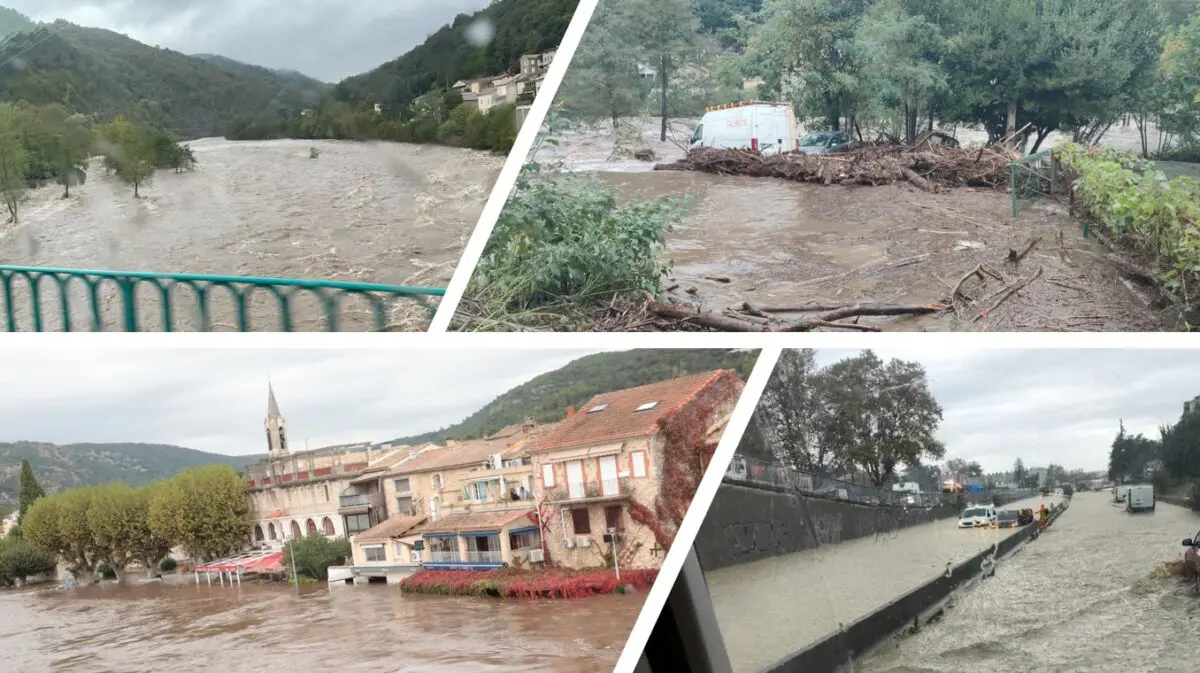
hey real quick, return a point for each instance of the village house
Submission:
(608, 458)
(293, 494)
(516, 89)
(473, 495)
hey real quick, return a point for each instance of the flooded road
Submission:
(367, 212)
(783, 245)
(254, 628)
(1083, 598)
(770, 609)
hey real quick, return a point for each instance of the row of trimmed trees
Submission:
(204, 510)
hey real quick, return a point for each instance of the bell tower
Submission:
(276, 433)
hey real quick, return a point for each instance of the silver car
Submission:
(825, 142)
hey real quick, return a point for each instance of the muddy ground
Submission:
(781, 245)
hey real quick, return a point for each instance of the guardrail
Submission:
(244, 298)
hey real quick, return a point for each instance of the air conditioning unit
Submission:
(568, 543)
(583, 541)
(537, 556)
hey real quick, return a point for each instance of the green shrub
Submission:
(105, 571)
(19, 560)
(168, 564)
(314, 554)
(564, 238)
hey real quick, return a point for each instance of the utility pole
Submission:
(612, 532)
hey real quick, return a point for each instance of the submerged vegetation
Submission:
(520, 583)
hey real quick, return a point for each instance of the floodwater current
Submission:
(366, 212)
(252, 628)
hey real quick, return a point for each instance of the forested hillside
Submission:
(12, 21)
(547, 397)
(69, 465)
(521, 27)
(104, 74)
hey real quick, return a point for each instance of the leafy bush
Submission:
(168, 564)
(564, 237)
(19, 560)
(314, 554)
(513, 583)
(105, 571)
(1139, 207)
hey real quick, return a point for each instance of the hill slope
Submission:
(12, 21)
(521, 27)
(59, 467)
(102, 73)
(289, 76)
(546, 397)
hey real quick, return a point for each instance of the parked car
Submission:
(1025, 517)
(825, 142)
(1191, 558)
(1008, 518)
(977, 516)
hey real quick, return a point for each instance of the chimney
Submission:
(570, 411)
(528, 424)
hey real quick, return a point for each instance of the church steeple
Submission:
(276, 434)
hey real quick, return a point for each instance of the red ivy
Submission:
(686, 455)
(514, 583)
(545, 516)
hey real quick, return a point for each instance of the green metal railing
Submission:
(1033, 177)
(99, 287)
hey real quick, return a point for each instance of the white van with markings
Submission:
(1140, 498)
(766, 127)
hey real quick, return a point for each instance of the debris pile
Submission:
(928, 166)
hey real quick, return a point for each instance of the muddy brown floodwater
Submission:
(184, 628)
(368, 212)
(786, 245)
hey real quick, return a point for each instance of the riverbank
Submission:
(513, 583)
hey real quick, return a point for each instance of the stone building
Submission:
(608, 458)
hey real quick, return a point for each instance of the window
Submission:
(258, 534)
(524, 540)
(548, 476)
(271, 531)
(327, 525)
(295, 529)
(638, 459)
(310, 527)
(374, 553)
(647, 406)
(326, 492)
(597, 409)
(581, 522)
(437, 480)
(404, 505)
(443, 544)
(402, 485)
(613, 519)
(357, 523)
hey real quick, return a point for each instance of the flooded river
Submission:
(1083, 598)
(770, 609)
(369, 212)
(253, 628)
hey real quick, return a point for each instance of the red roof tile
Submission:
(471, 452)
(621, 419)
(453, 523)
(394, 526)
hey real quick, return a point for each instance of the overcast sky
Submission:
(1049, 405)
(216, 400)
(326, 39)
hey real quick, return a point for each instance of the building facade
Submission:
(605, 463)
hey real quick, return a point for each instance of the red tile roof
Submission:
(471, 452)
(394, 526)
(621, 419)
(453, 523)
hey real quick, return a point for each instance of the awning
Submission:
(258, 563)
(518, 531)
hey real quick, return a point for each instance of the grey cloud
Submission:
(215, 400)
(1049, 405)
(326, 39)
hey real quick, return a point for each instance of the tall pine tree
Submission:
(30, 490)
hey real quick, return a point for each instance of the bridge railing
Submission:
(44, 299)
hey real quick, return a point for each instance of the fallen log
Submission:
(731, 324)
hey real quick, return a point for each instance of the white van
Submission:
(1140, 498)
(767, 127)
(1121, 493)
(978, 516)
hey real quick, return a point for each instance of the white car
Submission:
(978, 516)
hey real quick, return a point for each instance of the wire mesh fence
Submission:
(1033, 178)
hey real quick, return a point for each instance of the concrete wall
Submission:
(746, 524)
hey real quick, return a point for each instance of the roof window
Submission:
(597, 409)
(647, 406)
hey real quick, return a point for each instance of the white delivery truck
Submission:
(767, 127)
(1140, 498)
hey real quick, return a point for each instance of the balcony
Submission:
(359, 500)
(619, 488)
(444, 557)
(484, 557)
(470, 560)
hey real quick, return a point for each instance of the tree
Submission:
(205, 509)
(19, 560)
(1019, 473)
(120, 521)
(882, 415)
(29, 490)
(129, 152)
(14, 161)
(69, 152)
(901, 50)
(58, 525)
(604, 79)
(314, 554)
(664, 33)
(794, 416)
